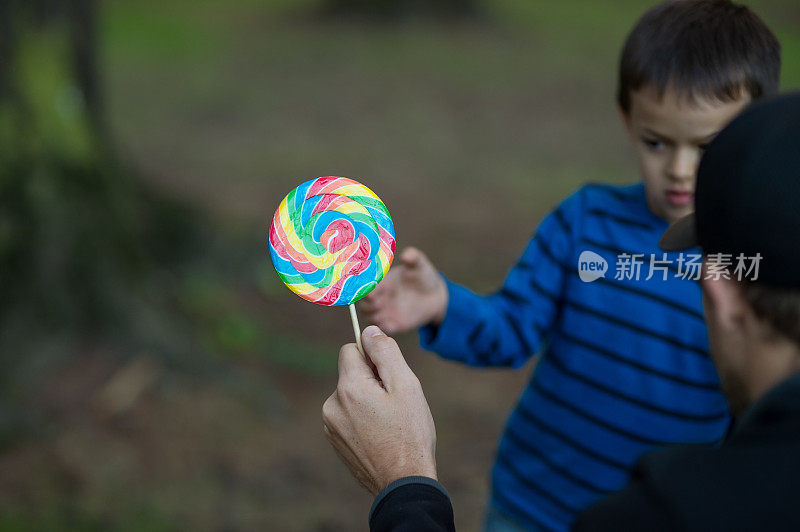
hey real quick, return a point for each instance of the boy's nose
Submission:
(683, 165)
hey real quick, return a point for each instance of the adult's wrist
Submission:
(401, 482)
(409, 460)
(426, 471)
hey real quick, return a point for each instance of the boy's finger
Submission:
(376, 311)
(389, 325)
(410, 257)
(377, 291)
(379, 294)
(382, 320)
(386, 356)
(383, 289)
(367, 305)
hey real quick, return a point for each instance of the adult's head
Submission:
(747, 222)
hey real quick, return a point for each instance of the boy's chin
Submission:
(672, 214)
(668, 211)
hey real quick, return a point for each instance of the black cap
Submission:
(747, 199)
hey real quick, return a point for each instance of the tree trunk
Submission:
(78, 232)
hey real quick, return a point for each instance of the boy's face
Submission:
(669, 135)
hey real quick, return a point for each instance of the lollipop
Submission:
(332, 241)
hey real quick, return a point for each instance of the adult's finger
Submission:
(334, 419)
(386, 355)
(356, 467)
(341, 446)
(330, 410)
(352, 365)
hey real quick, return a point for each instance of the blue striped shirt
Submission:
(624, 365)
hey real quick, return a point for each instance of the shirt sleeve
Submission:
(507, 327)
(412, 504)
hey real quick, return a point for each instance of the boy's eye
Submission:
(653, 143)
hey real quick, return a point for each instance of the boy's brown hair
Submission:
(709, 48)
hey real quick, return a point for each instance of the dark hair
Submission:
(708, 48)
(777, 307)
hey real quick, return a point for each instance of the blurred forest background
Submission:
(156, 374)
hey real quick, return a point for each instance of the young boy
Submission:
(624, 364)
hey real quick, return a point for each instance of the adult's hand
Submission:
(377, 419)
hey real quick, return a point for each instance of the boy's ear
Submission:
(626, 120)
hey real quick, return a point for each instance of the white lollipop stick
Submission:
(356, 327)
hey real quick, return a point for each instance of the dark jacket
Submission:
(752, 482)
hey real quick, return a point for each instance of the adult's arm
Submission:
(412, 504)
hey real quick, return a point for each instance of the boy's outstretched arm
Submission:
(503, 329)
(411, 295)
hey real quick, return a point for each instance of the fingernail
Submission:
(371, 331)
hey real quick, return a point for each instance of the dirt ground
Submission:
(192, 455)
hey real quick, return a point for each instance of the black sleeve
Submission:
(412, 504)
(630, 509)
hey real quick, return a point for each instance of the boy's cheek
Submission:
(652, 168)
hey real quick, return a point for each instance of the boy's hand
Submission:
(411, 295)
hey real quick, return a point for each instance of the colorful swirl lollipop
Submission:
(331, 240)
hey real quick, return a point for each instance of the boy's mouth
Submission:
(680, 198)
